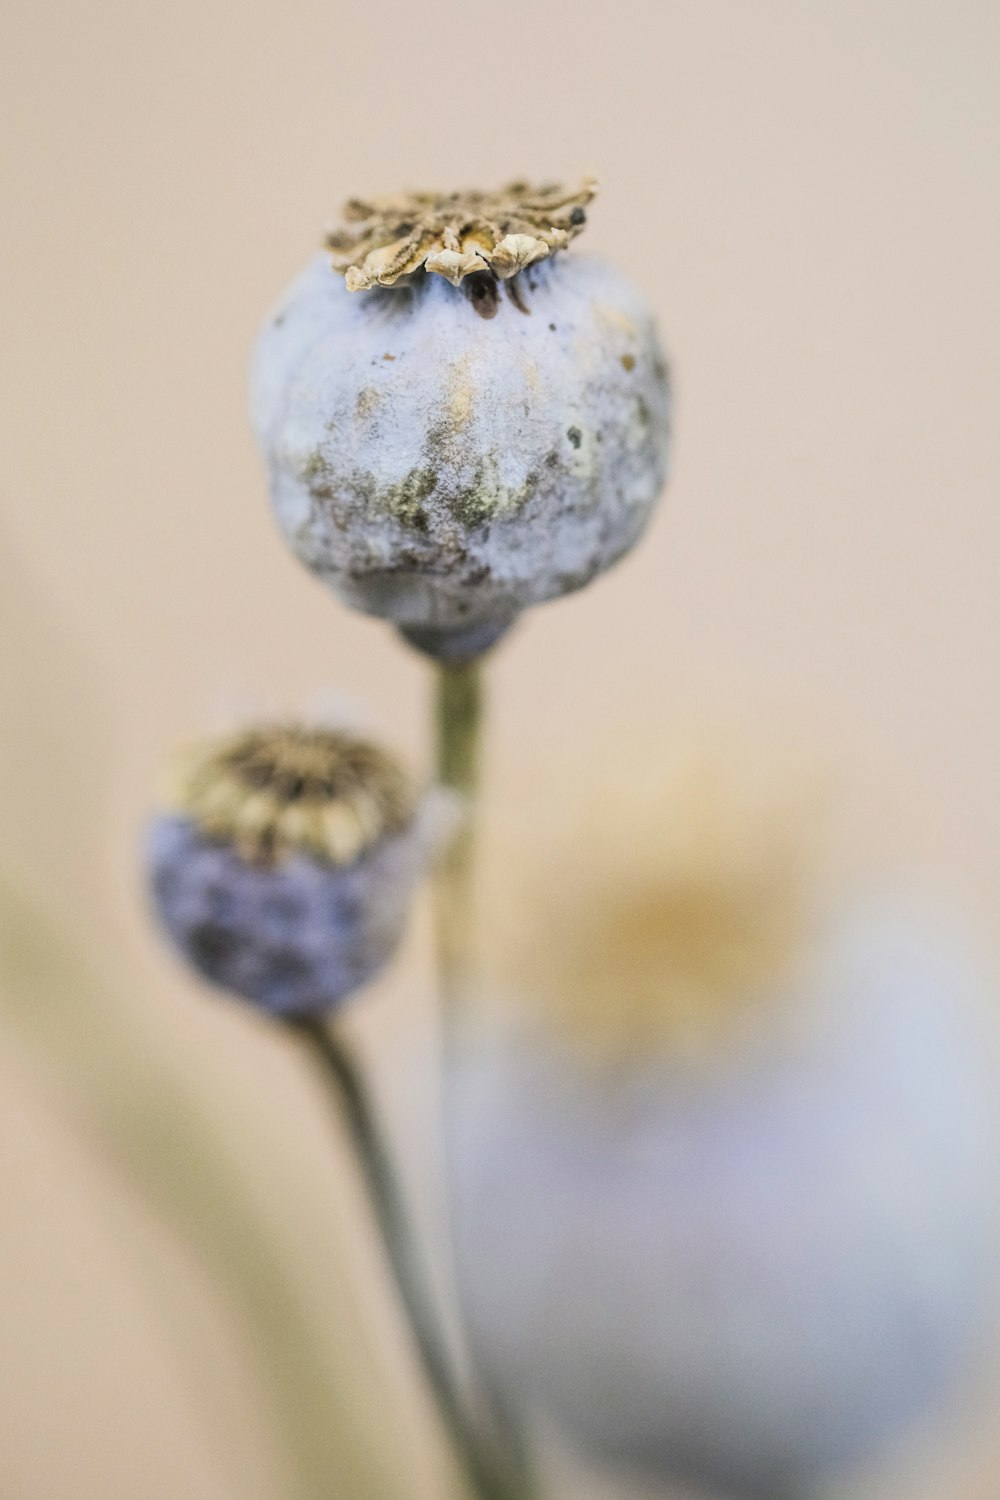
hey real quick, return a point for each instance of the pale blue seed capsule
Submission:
(447, 455)
(754, 1278)
(285, 870)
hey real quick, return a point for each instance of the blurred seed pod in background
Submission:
(459, 419)
(723, 1176)
(285, 861)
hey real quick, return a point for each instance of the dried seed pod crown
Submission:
(456, 234)
(274, 790)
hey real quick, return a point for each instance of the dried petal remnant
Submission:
(456, 234)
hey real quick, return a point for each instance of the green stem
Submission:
(458, 717)
(389, 1209)
(458, 721)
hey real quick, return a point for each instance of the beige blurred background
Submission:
(807, 191)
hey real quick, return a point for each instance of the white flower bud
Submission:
(447, 449)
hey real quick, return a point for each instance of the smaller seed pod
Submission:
(459, 419)
(284, 864)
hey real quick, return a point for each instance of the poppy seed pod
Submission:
(284, 867)
(752, 1275)
(459, 420)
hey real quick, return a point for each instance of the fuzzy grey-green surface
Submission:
(446, 469)
(295, 937)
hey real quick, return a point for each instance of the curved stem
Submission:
(388, 1207)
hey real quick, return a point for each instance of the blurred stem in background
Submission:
(458, 724)
(154, 1128)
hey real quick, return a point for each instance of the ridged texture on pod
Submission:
(447, 456)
